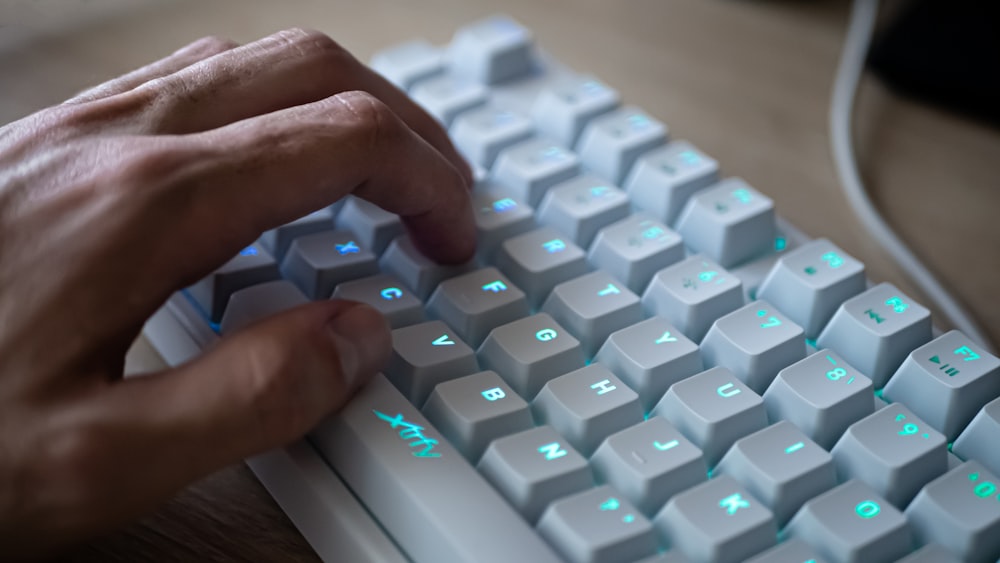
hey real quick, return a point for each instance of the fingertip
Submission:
(363, 341)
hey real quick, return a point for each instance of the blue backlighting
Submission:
(603, 386)
(733, 503)
(505, 204)
(495, 286)
(546, 334)
(554, 245)
(412, 433)
(612, 289)
(349, 247)
(391, 293)
(249, 251)
(552, 451)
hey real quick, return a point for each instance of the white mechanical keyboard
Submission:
(643, 362)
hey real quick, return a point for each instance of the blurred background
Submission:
(748, 82)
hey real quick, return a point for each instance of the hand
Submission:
(115, 199)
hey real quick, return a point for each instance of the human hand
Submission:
(115, 199)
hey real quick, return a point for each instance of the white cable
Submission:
(845, 88)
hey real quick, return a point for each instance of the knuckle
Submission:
(372, 119)
(313, 44)
(213, 44)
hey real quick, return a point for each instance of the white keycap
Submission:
(498, 217)
(277, 240)
(563, 110)
(789, 551)
(445, 97)
(946, 381)
(253, 303)
(421, 274)
(387, 295)
(612, 142)
(663, 179)
(481, 133)
(755, 342)
(691, 294)
(319, 262)
(424, 355)
(634, 249)
(529, 168)
(477, 302)
(876, 330)
(491, 50)
(581, 207)
(932, 553)
(729, 222)
(539, 260)
(808, 284)
(593, 306)
(373, 226)
(978, 440)
(251, 266)
(408, 63)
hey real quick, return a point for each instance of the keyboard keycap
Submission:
(718, 522)
(586, 406)
(729, 222)
(978, 440)
(612, 142)
(481, 133)
(404, 472)
(876, 330)
(539, 260)
(318, 263)
(374, 227)
(822, 395)
(253, 303)
(492, 50)
(593, 306)
(424, 355)
(650, 357)
(529, 168)
(417, 271)
(533, 468)
(277, 240)
(781, 467)
(498, 218)
(408, 63)
(387, 295)
(253, 265)
(478, 302)
(597, 526)
(583, 206)
(692, 294)
(649, 463)
(932, 553)
(665, 178)
(755, 342)
(790, 551)
(474, 410)
(529, 352)
(853, 524)
(634, 249)
(562, 111)
(445, 97)
(893, 451)
(961, 511)
(713, 409)
(946, 381)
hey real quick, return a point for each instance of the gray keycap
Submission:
(474, 410)
(529, 352)
(893, 451)
(852, 524)
(498, 217)
(612, 142)
(491, 50)
(387, 295)
(408, 63)
(713, 409)
(581, 207)
(752, 273)
(663, 179)
(424, 355)
(876, 330)
(378, 433)
(253, 303)
(791, 551)
(650, 357)
(374, 227)
(533, 468)
(729, 222)
(692, 294)
(318, 263)
(481, 133)
(932, 553)
(822, 395)
(421, 274)
(808, 283)
(586, 406)
(961, 511)
(597, 526)
(781, 467)
(755, 342)
(593, 306)
(539, 260)
(562, 111)
(717, 522)
(529, 168)
(634, 249)
(477, 302)
(672, 556)
(445, 97)
(649, 463)
(978, 440)
(277, 240)
(251, 266)
(946, 381)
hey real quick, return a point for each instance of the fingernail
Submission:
(363, 342)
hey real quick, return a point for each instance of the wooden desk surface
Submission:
(748, 82)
